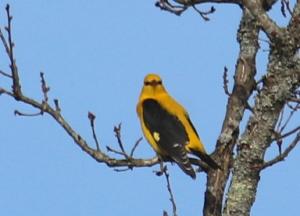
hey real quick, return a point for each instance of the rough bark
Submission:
(237, 102)
(282, 79)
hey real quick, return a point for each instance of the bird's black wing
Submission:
(168, 132)
(202, 155)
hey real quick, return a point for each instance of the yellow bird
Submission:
(167, 126)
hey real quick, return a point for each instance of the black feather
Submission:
(172, 134)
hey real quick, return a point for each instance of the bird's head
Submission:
(152, 80)
(153, 85)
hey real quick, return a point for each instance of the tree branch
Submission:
(92, 118)
(268, 25)
(185, 4)
(285, 5)
(55, 113)
(293, 26)
(9, 46)
(282, 80)
(282, 156)
(5, 74)
(172, 200)
(244, 84)
(225, 81)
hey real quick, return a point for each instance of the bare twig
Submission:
(10, 50)
(135, 146)
(280, 128)
(294, 109)
(289, 133)
(280, 120)
(172, 200)
(44, 87)
(278, 140)
(117, 130)
(92, 118)
(166, 6)
(115, 151)
(184, 5)
(4, 91)
(225, 81)
(16, 112)
(57, 107)
(5, 74)
(282, 156)
(122, 170)
(285, 5)
(204, 14)
(4, 42)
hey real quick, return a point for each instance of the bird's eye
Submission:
(153, 83)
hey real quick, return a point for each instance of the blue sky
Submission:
(95, 55)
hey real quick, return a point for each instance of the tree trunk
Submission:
(244, 84)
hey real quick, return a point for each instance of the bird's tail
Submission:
(207, 159)
(187, 169)
(185, 164)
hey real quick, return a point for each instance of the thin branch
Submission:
(135, 146)
(14, 70)
(4, 42)
(18, 113)
(115, 151)
(185, 4)
(45, 88)
(278, 137)
(5, 74)
(282, 156)
(117, 130)
(204, 14)
(289, 133)
(225, 81)
(166, 6)
(4, 91)
(92, 118)
(122, 170)
(249, 107)
(172, 200)
(57, 107)
(285, 5)
(280, 120)
(294, 109)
